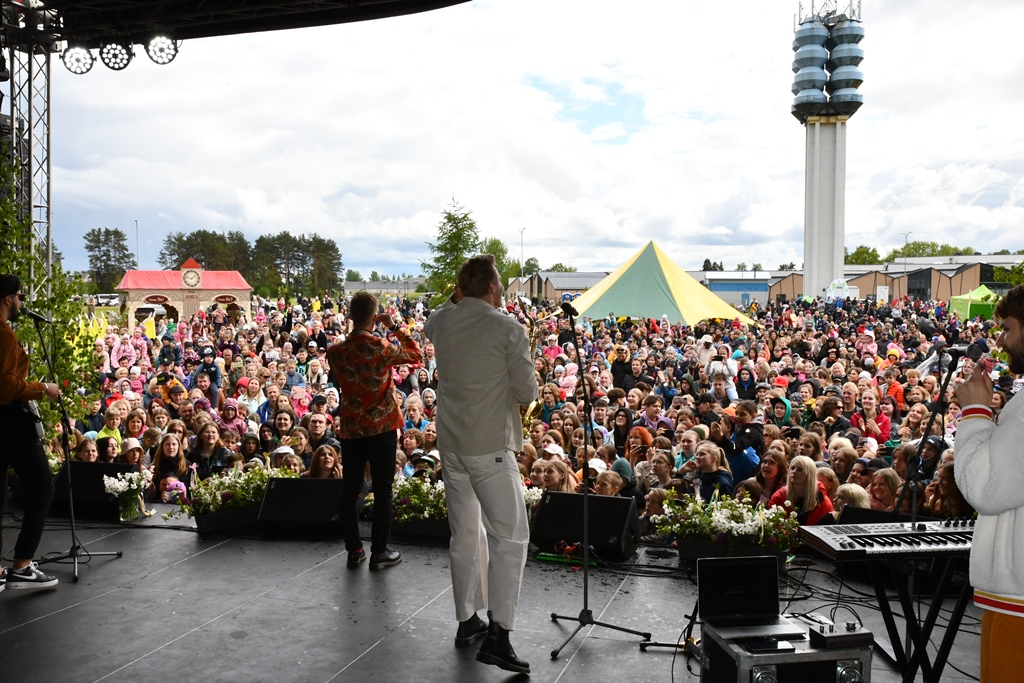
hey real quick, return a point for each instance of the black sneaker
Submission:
(388, 558)
(29, 577)
(355, 558)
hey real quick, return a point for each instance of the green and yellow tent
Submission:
(980, 302)
(651, 285)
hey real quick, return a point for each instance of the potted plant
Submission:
(724, 526)
(230, 502)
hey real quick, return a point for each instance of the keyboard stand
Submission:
(915, 656)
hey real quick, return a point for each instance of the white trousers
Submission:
(490, 533)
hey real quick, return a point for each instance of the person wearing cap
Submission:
(486, 373)
(209, 366)
(706, 409)
(551, 349)
(369, 421)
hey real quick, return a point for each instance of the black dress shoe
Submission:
(355, 558)
(470, 631)
(388, 558)
(497, 650)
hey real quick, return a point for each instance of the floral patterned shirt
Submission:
(361, 368)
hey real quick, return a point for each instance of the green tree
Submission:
(508, 267)
(1002, 252)
(531, 266)
(374, 276)
(756, 267)
(862, 256)
(741, 267)
(919, 248)
(561, 268)
(457, 240)
(325, 264)
(787, 266)
(353, 276)
(70, 349)
(109, 256)
(1013, 276)
(264, 275)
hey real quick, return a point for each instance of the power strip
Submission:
(831, 637)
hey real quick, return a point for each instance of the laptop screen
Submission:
(731, 588)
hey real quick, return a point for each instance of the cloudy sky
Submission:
(583, 128)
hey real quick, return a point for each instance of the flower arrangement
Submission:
(56, 461)
(233, 490)
(416, 498)
(730, 522)
(532, 496)
(128, 487)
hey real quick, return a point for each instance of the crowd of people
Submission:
(816, 406)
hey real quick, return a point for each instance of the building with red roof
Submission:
(186, 291)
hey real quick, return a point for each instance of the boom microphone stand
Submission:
(76, 551)
(913, 653)
(586, 615)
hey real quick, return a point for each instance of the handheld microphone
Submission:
(568, 309)
(39, 318)
(971, 351)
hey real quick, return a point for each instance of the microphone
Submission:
(971, 351)
(39, 318)
(568, 309)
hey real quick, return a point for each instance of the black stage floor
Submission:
(178, 606)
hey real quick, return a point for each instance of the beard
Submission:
(1015, 352)
(14, 314)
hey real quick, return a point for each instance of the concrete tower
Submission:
(827, 54)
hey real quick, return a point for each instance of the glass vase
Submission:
(130, 505)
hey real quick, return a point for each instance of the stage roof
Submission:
(89, 22)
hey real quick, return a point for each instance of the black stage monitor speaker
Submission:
(614, 524)
(91, 500)
(302, 507)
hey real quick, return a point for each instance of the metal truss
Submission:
(26, 129)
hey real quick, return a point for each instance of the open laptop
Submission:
(739, 598)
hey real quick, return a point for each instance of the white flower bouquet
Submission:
(729, 522)
(128, 488)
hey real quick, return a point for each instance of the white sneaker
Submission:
(3, 579)
(29, 577)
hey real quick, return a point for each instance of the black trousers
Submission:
(379, 450)
(22, 451)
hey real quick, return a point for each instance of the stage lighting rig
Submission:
(117, 55)
(77, 59)
(162, 49)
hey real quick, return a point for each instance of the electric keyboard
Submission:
(948, 538)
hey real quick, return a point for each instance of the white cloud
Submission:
(595, 125)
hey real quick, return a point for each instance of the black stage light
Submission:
(116, 55)
(162, 49)
(78, 60)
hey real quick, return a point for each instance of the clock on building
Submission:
(191, 277)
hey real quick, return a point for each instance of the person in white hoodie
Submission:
(989, 472)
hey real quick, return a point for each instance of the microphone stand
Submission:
(77, 550)
(586, 615)
(914, 464)
(913, 654)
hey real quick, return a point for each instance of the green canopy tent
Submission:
(980, 302)
(651, 285)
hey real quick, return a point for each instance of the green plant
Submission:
(729, 522)
(23, 253)
(416, 498)
(234, 490)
